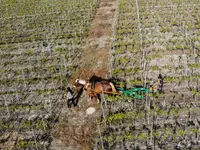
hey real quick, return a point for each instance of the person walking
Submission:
(70, 97)
(160, 83)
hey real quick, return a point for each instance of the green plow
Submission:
(137, 92)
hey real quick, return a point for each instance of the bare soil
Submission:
(95, 53)
(76, 129)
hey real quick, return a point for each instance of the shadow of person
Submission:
(70, 97)
(77, 97)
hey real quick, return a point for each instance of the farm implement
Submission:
(136, 92)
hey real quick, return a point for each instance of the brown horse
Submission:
(99, 87)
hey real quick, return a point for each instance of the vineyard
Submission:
(41, 44)
(151, 38)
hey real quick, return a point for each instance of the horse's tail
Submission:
(113, 87)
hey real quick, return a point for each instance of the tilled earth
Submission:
(151, 125)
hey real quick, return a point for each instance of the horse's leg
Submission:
(98, 98)
(90, 98)
(112, 86)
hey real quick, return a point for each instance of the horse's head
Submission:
(79, 83)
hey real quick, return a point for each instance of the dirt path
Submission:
(76, 129)
(95, 56)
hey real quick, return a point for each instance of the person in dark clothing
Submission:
(158, 85)
(94, 79)
(70, 97)
(160, 82)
